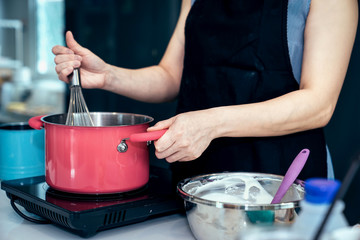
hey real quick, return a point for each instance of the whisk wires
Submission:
(78, 113)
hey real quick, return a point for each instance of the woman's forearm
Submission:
(150, 84)
(280, 116)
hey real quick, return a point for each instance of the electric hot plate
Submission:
(85, 215)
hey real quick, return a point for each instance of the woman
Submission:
(255, 80)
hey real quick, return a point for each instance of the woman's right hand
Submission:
(93, 68)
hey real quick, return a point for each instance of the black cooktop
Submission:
(87, 214)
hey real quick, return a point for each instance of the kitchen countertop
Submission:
(14, 227)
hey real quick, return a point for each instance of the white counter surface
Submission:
(14, 227)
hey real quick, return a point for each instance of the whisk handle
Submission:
(147, 136)
(75, 78)
(36, 123)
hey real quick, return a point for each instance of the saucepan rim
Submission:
(146, 119)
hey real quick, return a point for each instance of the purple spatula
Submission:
(291, 175)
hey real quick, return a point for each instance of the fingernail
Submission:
(77, 64)
(77, 57)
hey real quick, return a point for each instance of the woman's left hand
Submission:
(187, 137)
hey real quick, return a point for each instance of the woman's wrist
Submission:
(227, 121)
(216, 122)
(109, 78)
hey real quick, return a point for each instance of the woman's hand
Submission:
(188, 135)
(93, 69)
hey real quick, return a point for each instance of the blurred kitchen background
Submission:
(28, 83)
(132, 34)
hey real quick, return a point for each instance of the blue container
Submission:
(22, 151)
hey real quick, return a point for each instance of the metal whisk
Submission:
(78, 113)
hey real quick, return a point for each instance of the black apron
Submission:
(236, 52)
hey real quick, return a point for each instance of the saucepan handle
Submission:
(140, 137)
(147, 136)
(36, 123)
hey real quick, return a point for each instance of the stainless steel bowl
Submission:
(224, 219)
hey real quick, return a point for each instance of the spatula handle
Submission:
(291, 175)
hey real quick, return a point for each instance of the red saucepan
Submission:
(110, 157)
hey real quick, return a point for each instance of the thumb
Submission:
(74, 45)
(161, 125)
